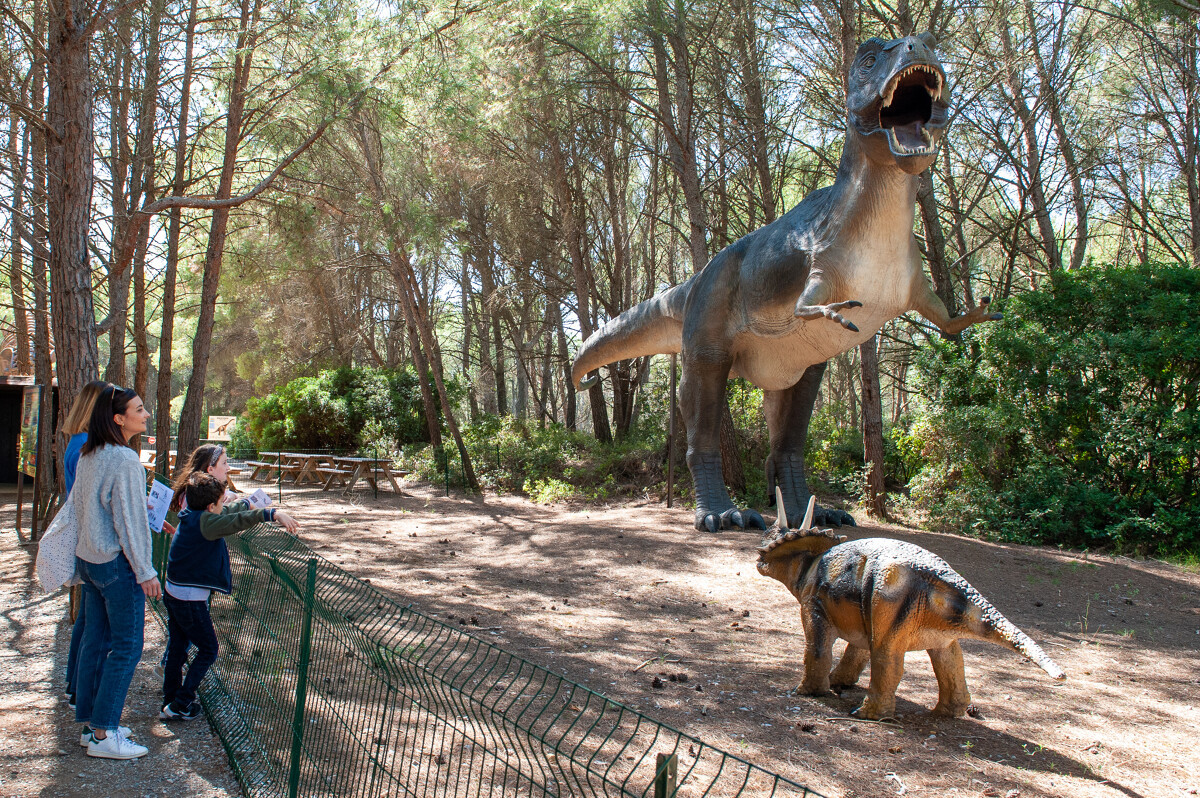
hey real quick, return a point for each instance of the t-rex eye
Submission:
(868, 61)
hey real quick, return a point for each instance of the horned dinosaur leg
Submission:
(788, 413)
(818, 650)
(814, 304)
(953, 698)
(887, 668)
(930, 305)
(702, 396)
(846, 674)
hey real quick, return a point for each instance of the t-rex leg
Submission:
(788, 413)
(702, 396)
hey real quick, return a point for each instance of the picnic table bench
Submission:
(347, 471)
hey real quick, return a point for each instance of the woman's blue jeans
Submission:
(115, 608)
(73, 652)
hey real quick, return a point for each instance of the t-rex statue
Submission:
(775, 305)
(884, 597)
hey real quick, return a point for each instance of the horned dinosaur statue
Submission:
(884, 597)
(775, 305)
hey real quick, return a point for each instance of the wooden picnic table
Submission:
(302, 467)
(263, 467)
(349, 470)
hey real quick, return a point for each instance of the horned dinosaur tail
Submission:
(654, 327)
(995, 627)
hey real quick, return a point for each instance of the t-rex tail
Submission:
(654, 327)
(994, 627)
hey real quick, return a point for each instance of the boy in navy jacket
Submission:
(197, 564)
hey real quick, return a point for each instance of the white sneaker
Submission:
(116, 746)
(86, 736)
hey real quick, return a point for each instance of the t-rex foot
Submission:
(829, 311)
(786, 470)
(714, 509)
(729, 519)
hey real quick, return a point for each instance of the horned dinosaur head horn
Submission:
(781, 520)
(808, 514)
(805, 542)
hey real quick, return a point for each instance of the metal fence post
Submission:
(664, 776)
(446, 468)
(310, 589)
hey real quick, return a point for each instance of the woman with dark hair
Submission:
(114, 561)
(76, 426)
(209, 458)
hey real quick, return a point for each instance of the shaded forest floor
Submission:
(613, 596)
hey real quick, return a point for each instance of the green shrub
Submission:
(511, 456)
(345, 408)
(1076, 420)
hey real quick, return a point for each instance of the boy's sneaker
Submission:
(177, 711)
(116, 746)
(85, 736)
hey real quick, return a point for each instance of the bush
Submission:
(1076, 420)
(344, 409)
(548, 464)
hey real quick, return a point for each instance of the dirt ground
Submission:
(621, 598)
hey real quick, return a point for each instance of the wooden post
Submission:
(664, 776)
(671, 441)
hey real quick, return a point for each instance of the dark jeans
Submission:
(188, 622)
(116, 611)
(76, 642)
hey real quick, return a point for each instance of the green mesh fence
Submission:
(325, 686)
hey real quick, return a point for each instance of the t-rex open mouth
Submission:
(906, 107)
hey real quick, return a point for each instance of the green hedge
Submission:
(1076, 420)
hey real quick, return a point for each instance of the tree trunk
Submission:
(564, 360)
(1033, 157)
(573, 236)
(162, 404)
(1066, 145)
(193, 403)
(433, 423)
(935, 243)
(43, 345)
(69, 194)
(872, 425)
(18, 150)
(406, 282)
(756, 114)
(119, 98)
(675, 115)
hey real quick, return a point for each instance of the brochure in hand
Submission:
(259, 499)
(157, 503)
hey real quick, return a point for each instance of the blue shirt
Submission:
(71, 458)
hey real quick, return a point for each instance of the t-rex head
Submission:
(898, 101)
